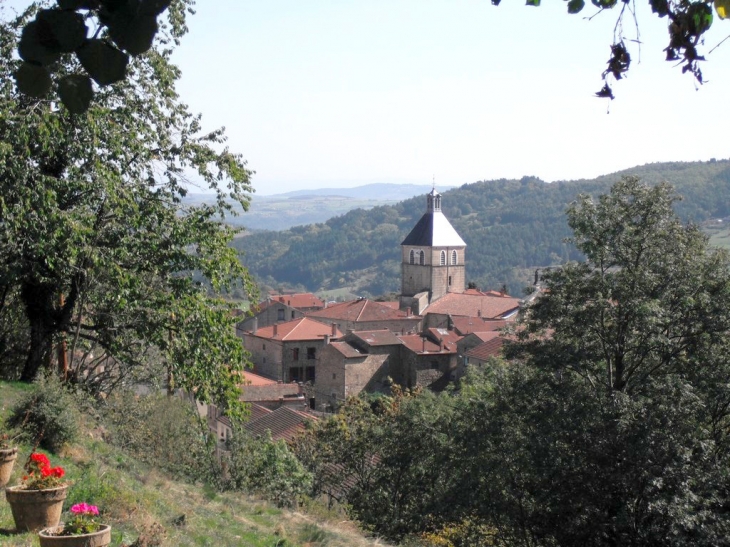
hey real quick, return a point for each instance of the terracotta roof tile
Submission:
(491, 348)
(475, 305)
(298, 329)
(347, 350)
(251, 379)
(361, 310)
(383, 337)
(257, 411)
(465, 324)
(444, 335)
(298, 300)
(283, 423)
(416, 344)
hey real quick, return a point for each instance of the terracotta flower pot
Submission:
(50, 538)
(36, 509)
(7, 459)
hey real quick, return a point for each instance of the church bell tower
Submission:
(432, 256)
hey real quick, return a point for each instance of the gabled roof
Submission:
(475, 304)
(257, 411)
(444, 335)
(434, 230)
(283, 423)
(416, 343)
(361, 310)
(383, 337)
(300, 329)
(464, 324)
(484, 351)
(251, 379)
(347, 350)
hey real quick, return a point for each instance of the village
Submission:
(309, 355)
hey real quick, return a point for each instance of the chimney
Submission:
(424, 344)
(276, 329)
(479, 313)
(326, 339)
(255, 324)
(408, 311)
(334, 330)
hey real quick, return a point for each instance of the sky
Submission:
(339, 93)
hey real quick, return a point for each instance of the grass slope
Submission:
(146, 507)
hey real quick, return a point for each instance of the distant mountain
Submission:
(300, 207)
(376, 191)
(511, 227)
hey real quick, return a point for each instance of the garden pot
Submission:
(7, 460)
(36, 509)
(50, 538)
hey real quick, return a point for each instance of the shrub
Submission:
(266, 468)
(48, 415)
(162, 431)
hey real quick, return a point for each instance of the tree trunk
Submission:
(38, 300)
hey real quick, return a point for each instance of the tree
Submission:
(650, 299)
(98, 247)
(615, 417)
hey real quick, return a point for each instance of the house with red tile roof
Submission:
(345, 370)
(471, 303)
(278, 308)
(423, 362)
(289, 351)
(364, 314)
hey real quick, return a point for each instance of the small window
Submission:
(334, 376)
(453, 257)
(422, 260)
(449, 281)
(443, 258)
(280, 314)
(311, 353)
(292, 314)
(264, 360)
(413, 257)
(264, 346)
(310, 374)
(295, 354)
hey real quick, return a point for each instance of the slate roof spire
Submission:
(434, 229)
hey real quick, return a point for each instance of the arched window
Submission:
(413, 257)
(443, 258)
(422, 261)
(453, 257)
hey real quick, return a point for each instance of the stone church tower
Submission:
(432, 259)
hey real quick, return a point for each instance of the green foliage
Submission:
(97, 250)
(48, 415)
(265, 468)
(124, 28)
(162, 431)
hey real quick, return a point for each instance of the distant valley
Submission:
(300, 207)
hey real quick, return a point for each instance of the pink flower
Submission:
(84, 509)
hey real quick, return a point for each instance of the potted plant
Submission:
(37, 501)
(8, 454)
(81, 530)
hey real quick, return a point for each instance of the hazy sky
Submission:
(319, 93)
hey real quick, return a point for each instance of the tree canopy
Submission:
(97, 250)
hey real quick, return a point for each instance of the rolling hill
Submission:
(511, 227)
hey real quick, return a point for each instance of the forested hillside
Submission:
(511, 227)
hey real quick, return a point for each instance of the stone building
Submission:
(289, 351)
(278, 308)
(433, 256)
